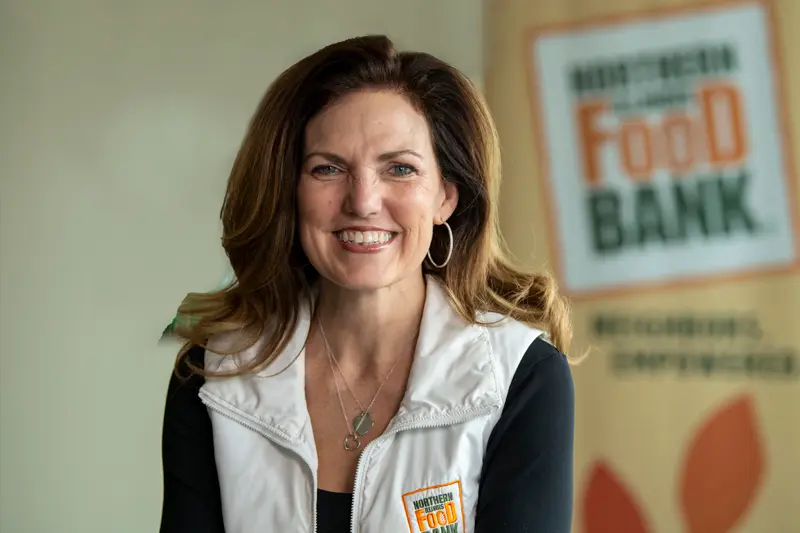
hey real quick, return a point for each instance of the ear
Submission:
(449, 202)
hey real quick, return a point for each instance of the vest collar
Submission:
(452, 375)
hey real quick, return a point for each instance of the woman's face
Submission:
(370, 191)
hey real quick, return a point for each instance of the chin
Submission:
(365, 272)
(363, 281)
(366, 277)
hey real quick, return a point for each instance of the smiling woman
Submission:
(376, 346)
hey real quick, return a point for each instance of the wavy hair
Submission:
(273, 274)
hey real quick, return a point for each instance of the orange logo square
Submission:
(436, 509)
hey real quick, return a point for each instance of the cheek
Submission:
(303, 200)
(311, 215)
(415, 209)
(313, 206)
(424, 200)
(422, 237)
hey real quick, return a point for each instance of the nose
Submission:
(363, 198)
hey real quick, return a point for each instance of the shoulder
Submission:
(535, 376)
(526, 480)
(540, 401)
(511, 342)
(233, 350)
(184, 411)
(543, 371)
(184, 382)
(196, 355)
(540, 404)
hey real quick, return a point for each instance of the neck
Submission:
(368, 330)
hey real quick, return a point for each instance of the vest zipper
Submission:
(423, 424)
(272, 435)
(355, 486)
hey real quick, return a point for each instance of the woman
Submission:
(377, 366)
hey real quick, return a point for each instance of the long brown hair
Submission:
(273, 275)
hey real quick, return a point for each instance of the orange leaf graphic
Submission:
(723, 469)
(607, 505)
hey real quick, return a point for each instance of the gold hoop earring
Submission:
(449, 248)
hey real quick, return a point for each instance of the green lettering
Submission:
(691, 206)
(733, 364)
(732, 200)
(649, 216)
(791, 366)
(686, 327)
(606, 222)
(604, 325)
(621, 362)
(770, 364)
(649, 362)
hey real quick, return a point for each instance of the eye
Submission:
(401, 169)
(324, 170)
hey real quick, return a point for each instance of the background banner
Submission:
(649, 162)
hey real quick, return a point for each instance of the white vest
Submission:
(421, 475)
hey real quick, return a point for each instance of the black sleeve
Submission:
(191, 488)
(526, 482)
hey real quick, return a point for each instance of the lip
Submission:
(365, 248)
(363, 228)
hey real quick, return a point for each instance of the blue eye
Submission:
(402, 170)
(324, 170)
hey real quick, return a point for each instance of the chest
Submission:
(422, 479)
(425, 481)
(341, 430)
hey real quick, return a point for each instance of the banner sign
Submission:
(652, 142)
(665, 151)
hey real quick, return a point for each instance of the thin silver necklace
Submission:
(363, 422)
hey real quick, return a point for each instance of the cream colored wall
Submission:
(119, 123)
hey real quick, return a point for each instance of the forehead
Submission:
(369, 120)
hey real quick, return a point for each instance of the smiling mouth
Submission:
(364, 238)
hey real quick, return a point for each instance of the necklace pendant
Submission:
(352, 442)
(362, 424)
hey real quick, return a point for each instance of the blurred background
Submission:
(649, 150)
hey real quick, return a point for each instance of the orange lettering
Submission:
(434, 519)
(721, 107)
(450, 509)
(420, 514)
(591, 138)
(636, 149)
(431, 520)
(680, 143)
(677, 143)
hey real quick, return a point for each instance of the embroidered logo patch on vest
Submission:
(437, 509)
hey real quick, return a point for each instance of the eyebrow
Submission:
(392, 155)
(383, 157)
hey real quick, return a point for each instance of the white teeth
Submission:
(364, 237)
